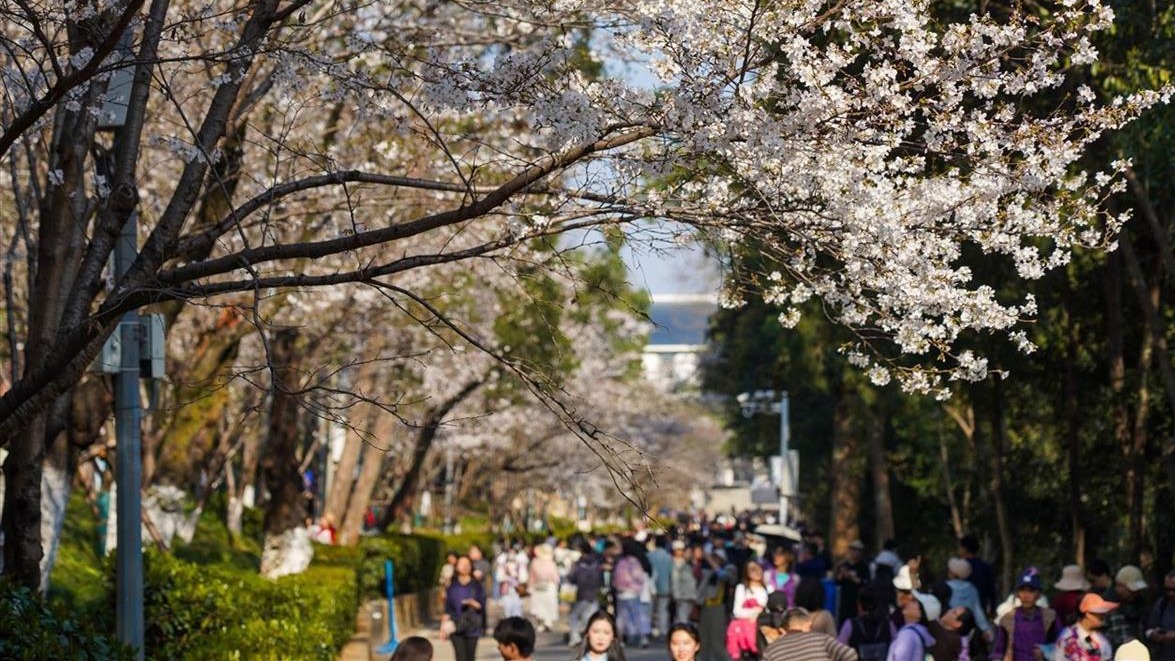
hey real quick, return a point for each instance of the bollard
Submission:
(390, 646)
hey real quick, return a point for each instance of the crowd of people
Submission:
(738, 597)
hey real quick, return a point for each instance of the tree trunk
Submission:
(996, 466)
(242, 495)
(406, 494)
(64, 217)
(343, 478)
(880, 470)
(1073, 432)
(1160, 232)
(846, 478)
(374, 460)
(287, 543)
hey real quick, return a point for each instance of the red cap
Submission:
(1092, 603)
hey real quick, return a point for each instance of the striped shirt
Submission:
(808, 646)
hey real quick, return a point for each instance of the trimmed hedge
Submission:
(211, 612)
(31, 630)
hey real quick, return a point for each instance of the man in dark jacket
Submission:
(587, 575)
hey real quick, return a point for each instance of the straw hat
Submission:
(1072, 578)
(1131, 577)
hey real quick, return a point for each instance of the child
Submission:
(600, 642)
(515, 637)
(684, 642)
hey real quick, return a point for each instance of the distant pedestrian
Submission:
(544, 587)
(1125, 622)
(965, 594)
(629, 579)
(662, 563)
(716, 577)
(810, 596)
(750, 599)
(851, 575)
(465, 605)
(1070, 589)
(683, 585)
(982, 575)
(781, 577)
(587, 575)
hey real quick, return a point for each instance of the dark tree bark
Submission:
(998, 498)
(880, 471)
(1073, 447)
(846, 471)
(405, 496)
(286, 508)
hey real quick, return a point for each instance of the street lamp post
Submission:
(764, 402)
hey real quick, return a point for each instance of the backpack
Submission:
(874, 647)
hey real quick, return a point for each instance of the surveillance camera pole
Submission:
(761, 401)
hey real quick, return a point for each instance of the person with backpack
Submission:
(587, 575)
(871, 631)
(913, 641)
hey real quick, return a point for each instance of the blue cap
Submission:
(1029, 578)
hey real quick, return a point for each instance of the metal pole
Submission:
(787, 480)
(128, 466)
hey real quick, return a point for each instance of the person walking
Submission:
(683, 585)
(851, 576)
(628, 581)
(465, 605)
(662, 564)
(587, 575)
(716, 576)
(982, 574)
(750, 598)
(780, 576)
(544, 587)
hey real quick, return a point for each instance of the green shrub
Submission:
(31, 630)
(213, 612)
(417, 561)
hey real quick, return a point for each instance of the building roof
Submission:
(681, 319)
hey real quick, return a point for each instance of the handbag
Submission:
(467, 622)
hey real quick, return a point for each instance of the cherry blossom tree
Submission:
(862, 143)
